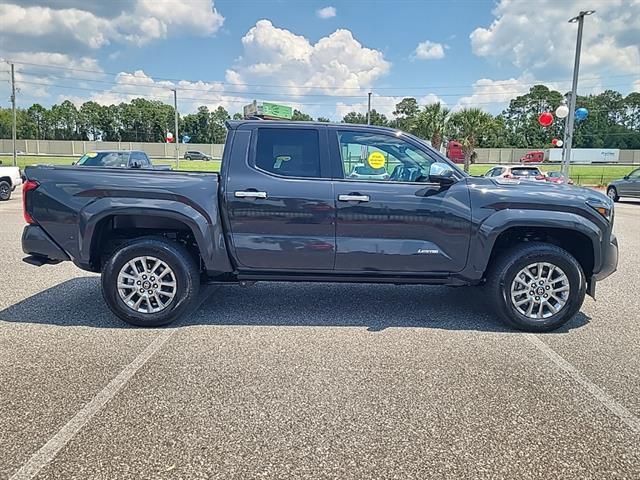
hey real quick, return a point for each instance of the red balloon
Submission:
(545, 119)
(554, 141)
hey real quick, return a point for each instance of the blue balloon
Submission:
(582, 113)
(186, 138)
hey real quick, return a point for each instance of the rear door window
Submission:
(288, 152)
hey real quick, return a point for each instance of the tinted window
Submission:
(141, 158)
(104, 159)
(288, 152)
(379, 157)
(525, 172)
(635, 174)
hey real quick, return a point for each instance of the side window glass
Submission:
(635, 175)
(379, 157)
(288, 152)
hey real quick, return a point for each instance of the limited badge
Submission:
(376, 160)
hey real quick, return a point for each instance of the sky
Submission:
(322, 57)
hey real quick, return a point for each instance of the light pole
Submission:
(176, 137)
(566, 159)
(369, 109)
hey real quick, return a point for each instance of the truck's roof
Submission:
(234, 124)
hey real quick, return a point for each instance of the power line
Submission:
(246, 93)
(238, 84)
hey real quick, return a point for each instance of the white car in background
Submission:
(519, 172)
(10, 179)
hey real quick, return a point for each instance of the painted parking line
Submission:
(49, 450)
(600, 395)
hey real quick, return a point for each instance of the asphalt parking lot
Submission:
(314, 381)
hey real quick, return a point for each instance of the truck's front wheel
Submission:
(150, 281)
(536, 287)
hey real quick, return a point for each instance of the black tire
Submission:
(5, 191)
(502, 273)
(180, 261)
(612, 193)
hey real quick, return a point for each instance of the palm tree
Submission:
(470, 125)
(432, 123)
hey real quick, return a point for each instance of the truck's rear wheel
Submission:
(150, 281)
(5, 191)
(536, 287)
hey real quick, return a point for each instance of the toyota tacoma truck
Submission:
(284, 207)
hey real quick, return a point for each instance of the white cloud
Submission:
(491, 94)
(429, 51)
(535, 36)
(79, 23)
(336, 65)
(636, 86)
(326, 12)
(191, 94)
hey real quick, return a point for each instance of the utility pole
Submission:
(176, 137)
(566, 159)
(13, 112)
(369, 110)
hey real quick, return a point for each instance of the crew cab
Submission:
(284, 207)
(10, 179)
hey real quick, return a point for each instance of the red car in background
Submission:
(557, 177)
(536, 156)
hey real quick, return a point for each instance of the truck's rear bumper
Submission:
(41, 248)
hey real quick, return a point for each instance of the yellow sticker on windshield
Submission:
(92, 154)
(376, 160)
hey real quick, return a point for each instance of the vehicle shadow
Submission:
(78, 302)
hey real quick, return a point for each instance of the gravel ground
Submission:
(314, 381)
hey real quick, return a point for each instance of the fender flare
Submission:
(206, 231)
(496, 224)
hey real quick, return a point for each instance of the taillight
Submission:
(508, 175)
(540, 177)
(28, 186)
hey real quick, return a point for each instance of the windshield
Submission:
(104, 159)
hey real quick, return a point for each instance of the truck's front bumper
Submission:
(40, 247)
(609, 259)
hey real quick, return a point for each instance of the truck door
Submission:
(394, 220)
(279, 200)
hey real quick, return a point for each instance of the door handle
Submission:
(250, 194)
(353, 198)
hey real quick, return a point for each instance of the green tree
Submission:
(470, 127)
(355, 117)
(406, 114)
(298, 116)
(431, 123)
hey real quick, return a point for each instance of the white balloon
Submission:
(562, 111)
(559, 143)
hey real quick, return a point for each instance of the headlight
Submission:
(603, 208)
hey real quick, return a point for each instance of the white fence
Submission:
(167, 150)
(72, 148)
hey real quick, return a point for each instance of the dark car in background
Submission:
(196, 155)
(628, 186)
(118, 159)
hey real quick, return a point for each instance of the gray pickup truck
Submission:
(287, 206)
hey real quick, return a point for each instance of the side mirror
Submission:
(73, 163)
(441, 173)
(626, 177)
